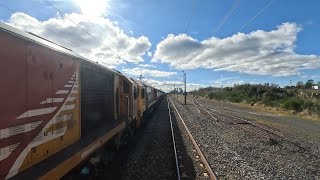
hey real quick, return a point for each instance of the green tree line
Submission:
(293, 98)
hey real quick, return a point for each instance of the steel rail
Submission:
(195, 105)
(174, 143)
(243, 120)
(202, 107)
(252, 124)
(202, 157)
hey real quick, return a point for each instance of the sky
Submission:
(217, 43)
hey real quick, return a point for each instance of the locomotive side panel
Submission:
(134, 99)
(149, 96)
(152, 96)
(97, 101)
(155, 94)
(140, 94)
(143, 96)
(13, 91)
(45, 119)
(125, 88)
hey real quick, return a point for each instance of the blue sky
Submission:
(279, 45)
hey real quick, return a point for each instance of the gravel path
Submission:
(235, 152)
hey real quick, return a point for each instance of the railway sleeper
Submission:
(239, 123)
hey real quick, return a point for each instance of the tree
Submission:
(300, 84)
(309, 84)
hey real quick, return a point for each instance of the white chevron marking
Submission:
(37, 112)
(52, 100)
(62, 92)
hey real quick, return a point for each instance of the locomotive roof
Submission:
(138, 82)
(36, 38)
(45, 42)
(130, 80)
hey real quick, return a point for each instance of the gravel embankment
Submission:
(235, 152)
(299, 130)
(149, 153)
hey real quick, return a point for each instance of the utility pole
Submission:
(185, 87)
(140, 77)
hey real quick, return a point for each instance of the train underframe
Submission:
(95, 164)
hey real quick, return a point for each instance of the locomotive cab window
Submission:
(125, 87)
(135, 93)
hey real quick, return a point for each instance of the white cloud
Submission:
(167, 86)
(315, 77)
(227, 81)
(148, 72)
(146, 65)
(259, 52)
(150, 54)
(93, 8)
(109, 37)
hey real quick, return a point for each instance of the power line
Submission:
(265, 7)
(176, 78)
(50, 30)
(13, 11)
(101, 30)
(118, 56)
(226, 17)
(187, 25)
(186, 30)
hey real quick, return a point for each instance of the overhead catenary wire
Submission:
(264, 8)
(226, 17)
(83, 29)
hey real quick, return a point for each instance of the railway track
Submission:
(243, 123)
(174, 143)
(258, 129)
(238, 149)
(209, 170)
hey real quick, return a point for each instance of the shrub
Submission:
(234, 97)
(268, 100)
(293, 103)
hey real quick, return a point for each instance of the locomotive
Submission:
(59, 108)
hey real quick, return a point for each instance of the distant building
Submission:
(315, 87)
